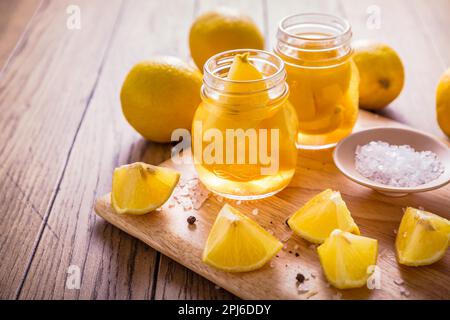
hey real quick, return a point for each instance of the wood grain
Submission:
(377, 216)
(114, 265)
(15, 16)
(62, 132)
(44, 91)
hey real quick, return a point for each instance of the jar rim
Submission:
(346, 27)
(208, 72)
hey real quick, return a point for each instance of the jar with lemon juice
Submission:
(322, 77)
(244, 131)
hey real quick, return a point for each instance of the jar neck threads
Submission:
(221, 90)
(312, 39)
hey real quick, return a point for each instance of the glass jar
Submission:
(244, 132)
(322, 77)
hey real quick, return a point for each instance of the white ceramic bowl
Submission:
(344, 156)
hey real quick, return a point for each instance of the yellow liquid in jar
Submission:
(324, 92)
(246, 181)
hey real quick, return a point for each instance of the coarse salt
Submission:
(397, 166)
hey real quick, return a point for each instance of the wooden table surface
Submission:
(62, 131)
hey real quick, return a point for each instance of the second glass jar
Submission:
(322, 77)
(244, 132)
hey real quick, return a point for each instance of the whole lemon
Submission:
(381, 74)
(221, 30)
(159, 96)
(443, 102)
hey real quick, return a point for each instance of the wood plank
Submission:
(114, 265)
(378, 217)
(44, 92)
(435, 24)
(15, 16)
(415, 41)
(174, 280)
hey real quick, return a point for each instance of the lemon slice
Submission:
(321, 215)
(347, 259)
(422, 238)
(238, 244)
(139, 188)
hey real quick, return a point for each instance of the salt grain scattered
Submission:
(398, 166)
(239, 202)
(255, 211)
(190, 194)
(337, 296)
(404, 292)
(286, 237)
(398, 282)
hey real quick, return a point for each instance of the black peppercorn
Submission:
(191, 220)
(300, 277)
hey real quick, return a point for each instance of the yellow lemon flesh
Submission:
(321, 215)
(238, 244)
(422, 238)
(347, 259)
(159, 96)
(241, 69)
(139, 188)
(381, 74)
(247, 74)
(221, 30)
(443, 102)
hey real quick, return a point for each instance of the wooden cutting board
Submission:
(377, 216)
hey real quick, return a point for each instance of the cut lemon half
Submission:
(139, 188)
(321, 215)
(236, 243)
(422, 238)
(347, 259)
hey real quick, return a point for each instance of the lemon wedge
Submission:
(347, 259)
(321, 215)
(236, 243)
(422, 238)
(246, 76)
(139, 188)
(241, 69)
